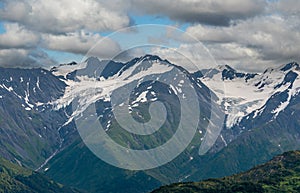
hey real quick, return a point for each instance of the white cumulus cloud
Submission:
(17, 37)
(81, 42)
(62, 16)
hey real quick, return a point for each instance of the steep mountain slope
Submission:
(83, 83)
(240, 146)
(252, 100)
(281, 174)
(262, 133)
(241, 94)
(39, 109)
(14, 178)
(77, 166)
(29, 127)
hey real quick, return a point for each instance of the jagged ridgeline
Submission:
(38, 129)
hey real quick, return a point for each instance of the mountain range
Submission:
(255, 113)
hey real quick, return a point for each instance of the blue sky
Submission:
(2, 30)
(125, 39)
(249, 36)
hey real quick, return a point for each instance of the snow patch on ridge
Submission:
(240, 97)
(89, 90)
(63, 70)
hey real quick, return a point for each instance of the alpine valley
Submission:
(259, 115)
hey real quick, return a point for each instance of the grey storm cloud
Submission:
(81, 43)
(60, 25)
(63, 16)
(237, 33)
(204, 11)
(266, 39)
(18, 37)
(22, 58)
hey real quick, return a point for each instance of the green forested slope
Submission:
(281, 174)
(14, 178)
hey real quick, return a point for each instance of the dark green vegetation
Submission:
(281, 174)
(14, 178)
(78, 167)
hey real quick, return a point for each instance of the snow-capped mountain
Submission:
(37, 113)
(255, 120)
(148, 78)
(241, 94)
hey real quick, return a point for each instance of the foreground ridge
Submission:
(281, 174)
(15, 178)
